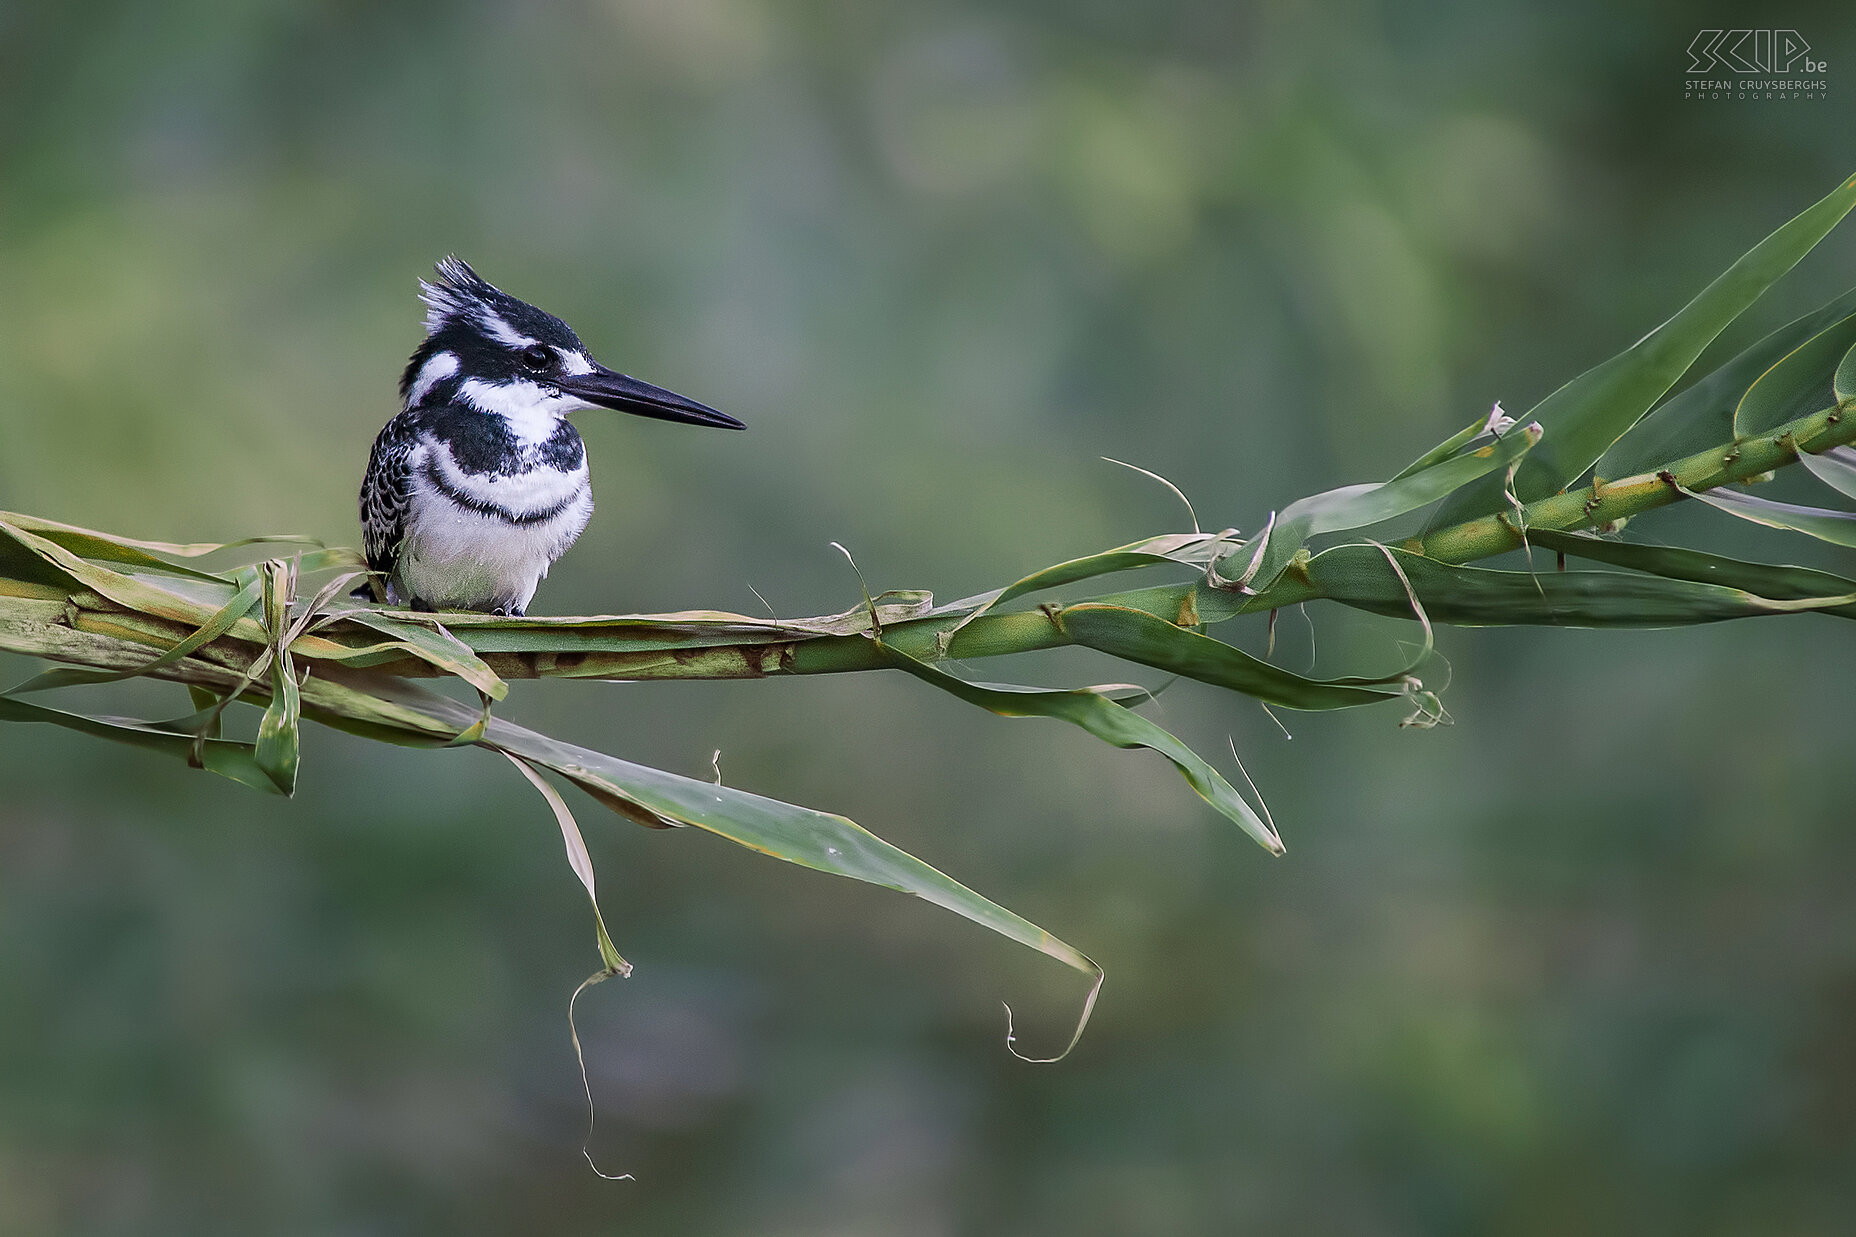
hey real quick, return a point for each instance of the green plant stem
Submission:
(40, 621)
(992, 635)
(1608, 501)
(1603, 502)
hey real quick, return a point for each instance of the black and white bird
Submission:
(480, 482)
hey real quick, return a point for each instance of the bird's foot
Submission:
(418, 603)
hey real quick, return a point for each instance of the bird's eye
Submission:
(537, 357)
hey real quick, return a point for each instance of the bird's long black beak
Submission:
(614, 390)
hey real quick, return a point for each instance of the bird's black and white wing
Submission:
(386, 492)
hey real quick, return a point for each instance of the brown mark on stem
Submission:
(1596, 497)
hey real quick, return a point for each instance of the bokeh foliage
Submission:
(1579, 961)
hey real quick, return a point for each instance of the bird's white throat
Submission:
(529, 409)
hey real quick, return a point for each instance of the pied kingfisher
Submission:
(480, 483)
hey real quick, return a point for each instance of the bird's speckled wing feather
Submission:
(386, 491)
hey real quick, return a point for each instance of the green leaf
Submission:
(1702, 416)
(222, 756)
(1583, 418)
(1447, 448)
(1359, 506)
(798, 835)
(435, 645)
(1192, 549)
(1092, 709)
(1844, 381)
(277, 746)
(107, 546)
(1135, 635)
(1778, 583)
(580, 861)
(1798, 384)
(176, 594)
(1360, 576)
(1836, 527)
(278, 740)
(205, 704)
(1836, 467)
(335, 557)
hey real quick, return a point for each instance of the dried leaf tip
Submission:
(1499, 422)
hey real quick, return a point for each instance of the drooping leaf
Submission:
(580, 861)
(1094, 711)
(1141, 637)
(222, 756)
(798, 835)
(277, 748)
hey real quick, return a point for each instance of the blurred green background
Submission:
(1585, 962)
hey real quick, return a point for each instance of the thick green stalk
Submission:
(1601, 503)
(1608, 501)
(38, 620)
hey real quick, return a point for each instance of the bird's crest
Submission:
(457, 290)
(460, 296)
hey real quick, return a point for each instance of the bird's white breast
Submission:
(457, 557)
